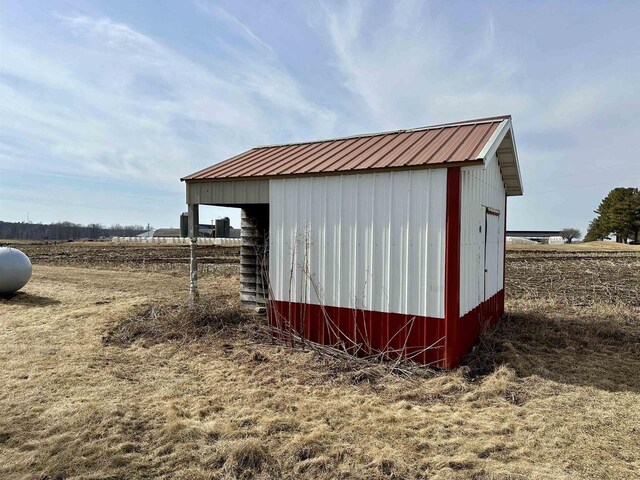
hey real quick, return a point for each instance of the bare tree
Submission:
(570, 234)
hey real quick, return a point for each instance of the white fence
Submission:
(224, 242)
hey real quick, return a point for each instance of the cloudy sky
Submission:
(104, 105)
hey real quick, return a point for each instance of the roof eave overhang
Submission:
(502, 143)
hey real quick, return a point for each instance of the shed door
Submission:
(491, 250)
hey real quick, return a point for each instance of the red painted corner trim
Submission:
(452, 268)
(471, 324)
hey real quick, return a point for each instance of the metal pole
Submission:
(193, 260)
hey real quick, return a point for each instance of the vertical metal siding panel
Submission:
(464, 239)
(291, 232)
(347, 191)
(288, 240)
(468, 269)
(406, 262)
(492, 255)
(333, 241)
(298, 212)
(355, 253)
(302, 217)
(402, 206)
(375, 241)
(466, 247)
(371, 257)
(426, 242)
(316, 228)
(279, 222)
(423, 212)
(501, 200)
(394, 252)
(441, 231)
(388, 240)
(436, 233)
(380, 266)
(362, 271)
(481, 187)
(418, 205)
(275, 227)
(396, 222)
(321, 204)
(494, 185)
(409, 280)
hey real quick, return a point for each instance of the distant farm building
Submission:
(206, 235)
(532, 237)
(221, 229)
(388, 243)
(147, 234)
(166, 232)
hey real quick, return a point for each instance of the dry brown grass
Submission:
(554, 392)
(182, 322)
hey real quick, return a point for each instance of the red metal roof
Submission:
(438, 145)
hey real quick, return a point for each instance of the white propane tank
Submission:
(15, 269)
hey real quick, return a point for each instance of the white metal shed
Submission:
(391, 242)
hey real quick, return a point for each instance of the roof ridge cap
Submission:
(391, 132)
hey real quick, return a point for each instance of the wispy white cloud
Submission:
(112, 102)
(410, 64)
(218, 13)
(407, 70)
(91, 96)
(414, 63)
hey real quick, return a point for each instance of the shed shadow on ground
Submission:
(27, 299)
(603, 353)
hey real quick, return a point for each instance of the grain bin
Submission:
(184, 225)
(223, 227)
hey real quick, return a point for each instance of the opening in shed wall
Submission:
(254, 255)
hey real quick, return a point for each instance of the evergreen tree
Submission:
(596, 231)
(618, 213)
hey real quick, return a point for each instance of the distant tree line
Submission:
(65, 231)
(618, 214)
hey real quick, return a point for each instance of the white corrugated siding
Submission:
(482, 187)
(373, 241)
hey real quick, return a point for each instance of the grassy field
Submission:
(100, 380)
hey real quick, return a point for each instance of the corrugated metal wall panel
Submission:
(240, 192)
(482, 187)
(372, 241)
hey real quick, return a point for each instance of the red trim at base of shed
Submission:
(366, 332)
(363, 332)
